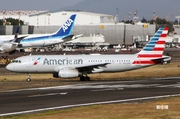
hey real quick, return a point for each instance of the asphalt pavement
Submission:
(29, 100)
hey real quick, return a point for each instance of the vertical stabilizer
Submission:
(153, 49)
(66, 28)
(16, 35)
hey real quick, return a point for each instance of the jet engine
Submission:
(8, 47)
(66, 73)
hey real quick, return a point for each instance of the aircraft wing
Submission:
(95, 68)
(72, 37)
(17, 40)
(92, 68)
(68, 38)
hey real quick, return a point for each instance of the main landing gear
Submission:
(29, 78)
(84, 78)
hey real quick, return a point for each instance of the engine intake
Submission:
(66, 73)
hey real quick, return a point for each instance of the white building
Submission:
(18, 14)
(57, 18)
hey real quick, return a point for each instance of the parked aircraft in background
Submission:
(41, 40)
(69, 66)
(9, 43)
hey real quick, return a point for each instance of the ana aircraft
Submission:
(9, 43)
(69, 66)
(41, 40)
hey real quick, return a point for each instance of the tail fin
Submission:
(16, 35)
(66, 28)
(153, 49)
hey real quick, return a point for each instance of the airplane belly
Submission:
(32, 44)
(53, 41)
(41, 69)
(26, 44)
(38, 43)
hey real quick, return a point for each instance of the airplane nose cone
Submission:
(9, 67)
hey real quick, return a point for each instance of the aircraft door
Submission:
(30, 62)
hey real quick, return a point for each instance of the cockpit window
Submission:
(16, 61)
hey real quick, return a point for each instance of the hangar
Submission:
(58, 18)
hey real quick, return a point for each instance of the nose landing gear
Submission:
(29, 78)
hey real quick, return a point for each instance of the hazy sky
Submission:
(35, 4)
(164, 8)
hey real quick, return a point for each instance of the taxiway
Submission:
(13, 102)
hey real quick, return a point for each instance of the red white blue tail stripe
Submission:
(153, 49)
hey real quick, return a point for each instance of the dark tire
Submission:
(82, 78)
(87, 78)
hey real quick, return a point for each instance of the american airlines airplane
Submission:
(69, 66)
(8, 43)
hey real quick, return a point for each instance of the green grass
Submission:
(141, 110)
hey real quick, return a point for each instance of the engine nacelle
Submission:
(66, 73)
(8, 47)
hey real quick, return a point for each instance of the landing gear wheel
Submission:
(84, 78)
(28, 80)
(87, 78)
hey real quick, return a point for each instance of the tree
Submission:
(12, 21)
(144, 20)
(164, 23)
(175, 22)
(1, 22)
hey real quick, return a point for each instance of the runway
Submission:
(13, 102)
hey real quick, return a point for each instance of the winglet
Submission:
(66, 28)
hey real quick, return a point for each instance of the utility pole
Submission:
(178, 17)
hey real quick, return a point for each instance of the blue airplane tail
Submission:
(66, 28)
